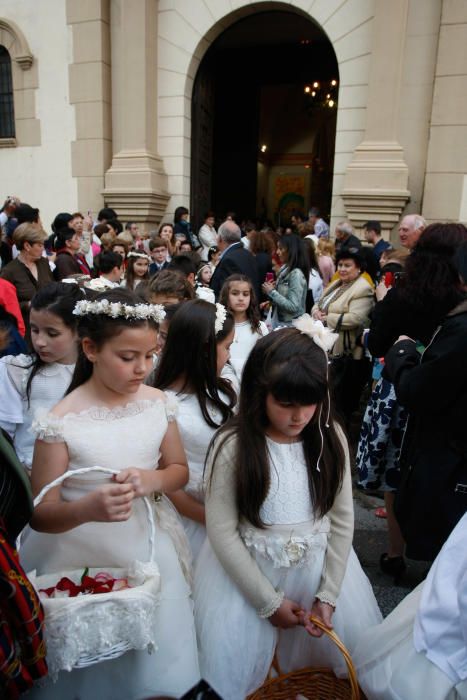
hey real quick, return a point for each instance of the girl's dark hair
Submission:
(460, 261)
(60, 299)
(296, 254)
(252, 312)
(291, 367)
(179, 212)
(130, 276)
(431, 279)
(101, 328)
(190, 353)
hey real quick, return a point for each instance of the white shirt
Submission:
(440, 629)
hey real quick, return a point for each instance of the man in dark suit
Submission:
(235, 259)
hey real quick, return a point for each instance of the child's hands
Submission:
(324, 612)
(288, 615)
(109, 503)
(143, 481)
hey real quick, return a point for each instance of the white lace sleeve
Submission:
(171, 407)
(48, 427)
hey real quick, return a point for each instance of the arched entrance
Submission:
(264, 110)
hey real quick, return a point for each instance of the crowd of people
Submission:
(215, 377)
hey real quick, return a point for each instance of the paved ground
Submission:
(369, 542)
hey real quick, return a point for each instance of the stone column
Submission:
(135, 184)
(376, 180)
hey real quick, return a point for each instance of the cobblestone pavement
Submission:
(369, 542)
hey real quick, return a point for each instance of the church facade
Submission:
(101, 103)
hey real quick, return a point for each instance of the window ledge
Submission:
(8, 143)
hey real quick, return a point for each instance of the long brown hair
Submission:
(291, 367)
(190, 353)
(252, 312)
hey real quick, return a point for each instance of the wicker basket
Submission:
(313, 683)
(68, 621)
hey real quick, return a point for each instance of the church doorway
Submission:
(264, 113)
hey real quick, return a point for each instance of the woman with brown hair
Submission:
(30, 271)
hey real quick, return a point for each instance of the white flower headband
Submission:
(140, 312)
(134, 254)
(221, 315)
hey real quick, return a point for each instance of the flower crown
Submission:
(140, 312)
(221, 315)
(134, 254)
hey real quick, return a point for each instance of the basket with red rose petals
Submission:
(97, 615)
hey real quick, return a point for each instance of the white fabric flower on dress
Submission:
(321, 335)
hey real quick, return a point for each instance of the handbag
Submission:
(86, 629)
(348, 375)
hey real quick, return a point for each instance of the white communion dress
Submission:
(420, 650)
(196, 436)
(118, 438)
(17, 411)
(243, 573)
(244, 341)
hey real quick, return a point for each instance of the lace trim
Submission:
(47, 426)
(326, 598)
(273, 606)
(132, 408)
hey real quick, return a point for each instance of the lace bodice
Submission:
(196, 435)
(121, 437)
(48, 388)
(288, 499)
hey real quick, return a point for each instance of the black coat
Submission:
(432, 496)
(393, 317)
(236, 260)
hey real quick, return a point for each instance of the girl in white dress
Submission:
(111, 419)
(238, 295)
(137, 269)
(39, 381)
(279, 517)
(189, 369)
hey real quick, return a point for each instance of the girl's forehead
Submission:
(45, 317)
(136, 338)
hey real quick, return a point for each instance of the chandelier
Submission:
(321, 93)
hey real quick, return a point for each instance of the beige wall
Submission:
(445, 195)
(38, 169)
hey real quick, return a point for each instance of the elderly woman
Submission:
(69, 260)
(30, 271)
(345, 308)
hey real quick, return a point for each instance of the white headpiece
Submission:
(206, 293)
(134, 254)
(104, 307)
(321, 335)
(221, 315)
